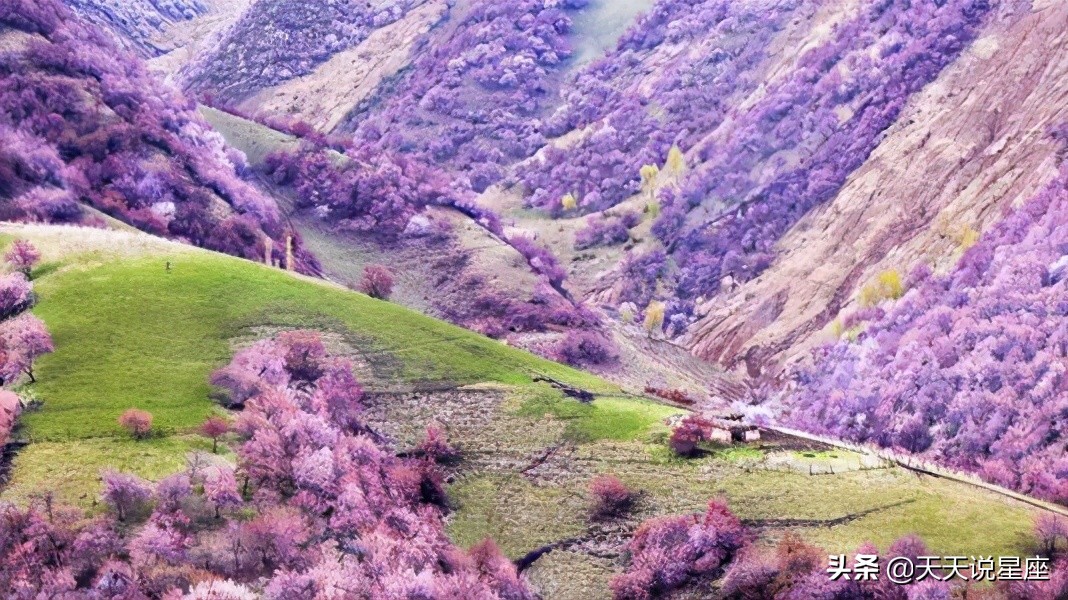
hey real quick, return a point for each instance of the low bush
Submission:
(610, 497)
(586, 349)
(377, 282)
(137, 422)
(689, 433)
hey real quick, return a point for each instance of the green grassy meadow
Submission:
(130, 333)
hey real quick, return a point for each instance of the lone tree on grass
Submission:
(137, 422)
(377, 282)
(22, 256)
(214, 428)
(22, 341)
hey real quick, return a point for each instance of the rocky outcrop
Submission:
(970, 145)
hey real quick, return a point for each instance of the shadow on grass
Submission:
(46, 269)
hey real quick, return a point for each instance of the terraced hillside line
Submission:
(539, 476)
(916, 465)
(609, 540)
(834, 522)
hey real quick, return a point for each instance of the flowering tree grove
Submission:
(318, 504)
(966, 369)
(83, 122)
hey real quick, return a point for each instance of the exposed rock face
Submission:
(970, 145)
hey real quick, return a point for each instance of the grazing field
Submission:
(131, 333)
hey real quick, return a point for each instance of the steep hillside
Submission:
(979, 140)
(450, 256)
(785, 135)
(168, 34)
(277, 40)
(476, 279)
(84, 124)
(769, 230)
(131, 333)
(318, 99)
(141, 25)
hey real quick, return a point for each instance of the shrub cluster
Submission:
(474, 102)
(667, 553)
(138, 24)
(867, 71)
(277, 40)
(712, 555)
(23, 337)
(704, 54)
(318, 504)
(606, 230)
(386, 195)
(586, 349)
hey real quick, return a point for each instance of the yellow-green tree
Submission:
(569, 202)
(654, 316)
(886, 286)
(676, 161)
(649, 174)
(967, 238)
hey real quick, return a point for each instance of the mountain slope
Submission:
(741, 180)
(973, 144)
(84, 123)
(129, 332)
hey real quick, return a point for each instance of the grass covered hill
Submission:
(129, 332)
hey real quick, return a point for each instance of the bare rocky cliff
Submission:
(970, 145)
